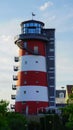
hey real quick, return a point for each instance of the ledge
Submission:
(31, 36)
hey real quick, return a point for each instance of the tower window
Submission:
(32, 28)
(51, 72)
(25, 82)
(23, 102)
(51, 58)
(36, 61)
(52, 38)
(51, 77)
(37, 82)
(25, 92)
(37, 91)
(51, 42)
(51, 50)
(25, 72)
(51, 68)
(36, 49)
(51, 86)
(25, 62)
(37, 102)
(36, 72)
(25, 44)
(26, 53)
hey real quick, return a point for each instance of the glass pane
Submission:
(31, 24)
(38, 30)
(35, 49)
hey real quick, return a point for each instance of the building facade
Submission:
(60, 98)
(35, 79)
(69, 91)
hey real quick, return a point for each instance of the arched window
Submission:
(61, 95)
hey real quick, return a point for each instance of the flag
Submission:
(33, 14)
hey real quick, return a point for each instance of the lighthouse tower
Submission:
(35, 86)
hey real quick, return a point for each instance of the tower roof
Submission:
(32, 21)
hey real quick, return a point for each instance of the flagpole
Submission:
(33, 15)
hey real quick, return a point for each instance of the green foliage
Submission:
(3, 107)
(16, 121)
(34, 125)
(69, 124)
(67, 110)
(10, 120)
(67, 116)
(51, 122)
(70, 99)
(71, 96)
(4, 123)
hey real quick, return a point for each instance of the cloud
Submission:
(64, 69)
(5, 38)
(46, 5)
(7, 52)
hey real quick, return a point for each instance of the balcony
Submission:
(15, 68)
(15, 77)
(30, 36)
(13, 97)
(16, 59)
(13, 87)
(12, 106)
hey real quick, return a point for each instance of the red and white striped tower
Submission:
(32, 83)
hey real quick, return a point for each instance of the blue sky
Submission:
(56, 14)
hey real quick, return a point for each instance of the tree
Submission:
(3, 119)
(67, 116)
(3, 123)
(10, 120)
(3, 107)
(69, 124)
(16, 121)
(70, 99)
(34, 125)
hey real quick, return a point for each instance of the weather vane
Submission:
(33, 15)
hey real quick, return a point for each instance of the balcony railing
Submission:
(16, 59)
(13, 97)
(14, 87)
(12, 106)
(30, 36)
(15, 77)
(15, 68)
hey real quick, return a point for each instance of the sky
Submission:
(56, 14)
